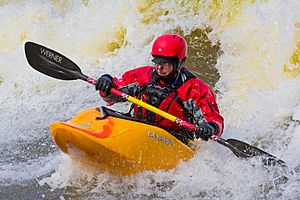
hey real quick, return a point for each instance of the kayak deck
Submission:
(118, 144)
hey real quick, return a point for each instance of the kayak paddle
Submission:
(52, 63)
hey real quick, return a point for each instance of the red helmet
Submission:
(170, 45)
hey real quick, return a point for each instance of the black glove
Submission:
(105, 83)
(206, 130)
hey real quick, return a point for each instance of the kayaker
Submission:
(169, 86)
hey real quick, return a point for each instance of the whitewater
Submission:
(248, 51)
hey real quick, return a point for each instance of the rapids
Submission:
(248, 51)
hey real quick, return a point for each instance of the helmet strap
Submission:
(180, 64)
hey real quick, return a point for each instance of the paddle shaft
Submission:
(245, 151)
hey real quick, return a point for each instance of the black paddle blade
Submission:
(251, 151)
(237, 148)
(242, 149)
(52, 63)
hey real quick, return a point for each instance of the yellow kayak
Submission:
(118, 143)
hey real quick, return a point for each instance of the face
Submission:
(163, 69)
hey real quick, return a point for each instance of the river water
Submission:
(248, 51)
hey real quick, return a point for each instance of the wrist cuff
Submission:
(215, 127)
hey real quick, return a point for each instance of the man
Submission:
(169, 86)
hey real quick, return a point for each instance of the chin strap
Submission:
(181, 64)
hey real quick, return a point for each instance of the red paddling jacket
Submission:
(188, 98)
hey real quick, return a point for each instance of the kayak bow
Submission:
(117, 143)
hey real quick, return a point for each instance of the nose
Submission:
(160, 66)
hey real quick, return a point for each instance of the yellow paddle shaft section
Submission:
(168, 116)
(152, 108)
(138, 102)
(144, 105)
